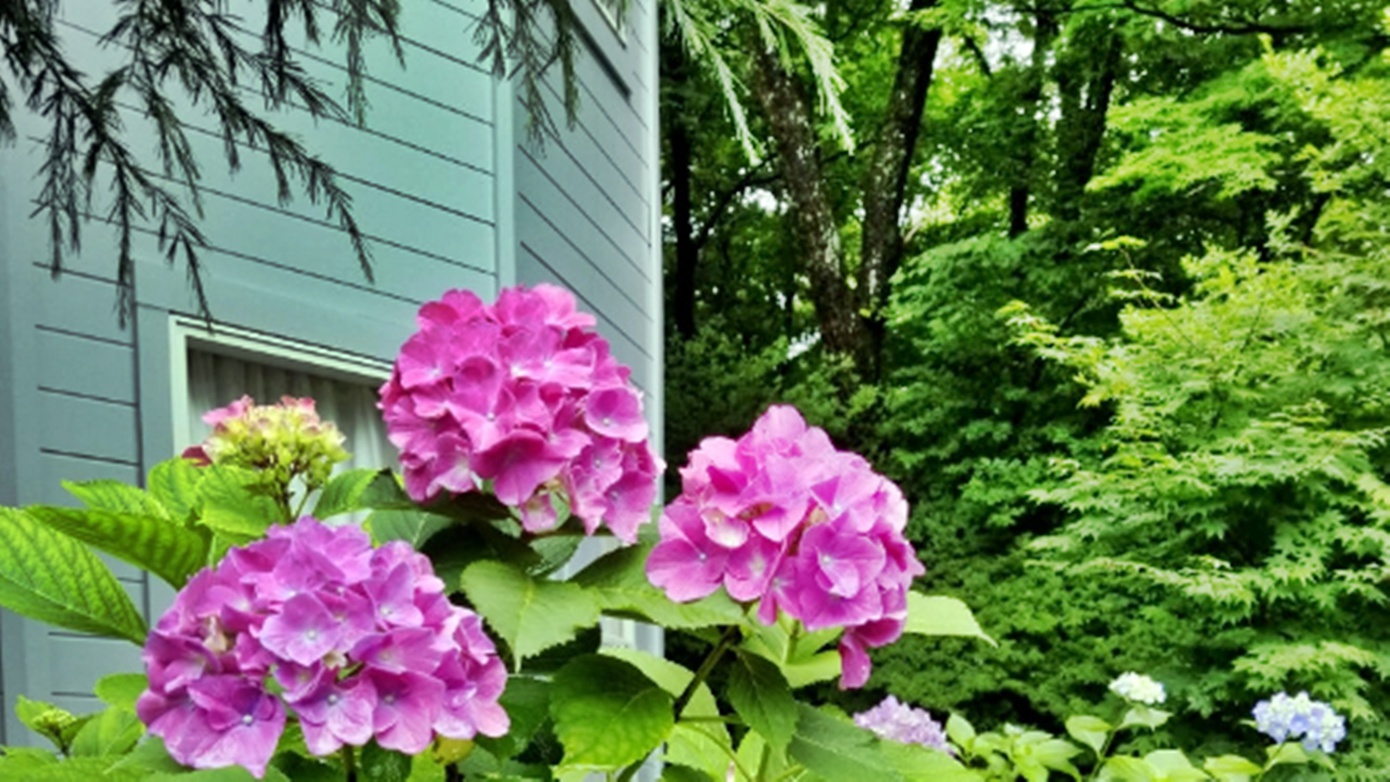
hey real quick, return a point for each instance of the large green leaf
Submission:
(833, 748)
(344, 492)
(112, 731)
(235, 505)
(174, 483)
(607, 713)
(619, 580)
(763, 698)
(940, 615)
(116, 496)
(700, 739)
(412, 525)
(527, 701)
(121, 689)
(48, 576)
(530, 614)
(163, 547)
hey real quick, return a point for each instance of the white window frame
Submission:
(268, 349)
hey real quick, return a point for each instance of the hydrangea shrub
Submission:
(357, 643)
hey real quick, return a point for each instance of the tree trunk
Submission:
(1082, 124)
(1044, 31)
(789, 120)
(881, 245)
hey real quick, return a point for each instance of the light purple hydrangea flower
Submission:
(1315, 723)
(782, 518)
(362, 643)
(899, 722)
(525, 394)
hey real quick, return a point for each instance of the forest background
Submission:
(1103, 286)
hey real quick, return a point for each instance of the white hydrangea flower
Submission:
(1138, 688)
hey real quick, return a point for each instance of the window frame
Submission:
(187, 333)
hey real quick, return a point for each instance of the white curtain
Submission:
(214, 380)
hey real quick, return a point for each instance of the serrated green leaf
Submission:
(149, 757)
(607, 713)
(698, 740)
(530, 614)
(1231, 768)
(111, 731)
(1286, 754)
(1089, 730)
(234, 504)
(674, 772)
(172, 552)
(1123, 768)
(527, 702)
(30, 768)
(960, 731)
(833, 748)
(761, 695)
(916, 762)
(174, 484)
(1144, 716)
(50, 577)
(414, 526)
(118, 497)
(227, 774)
(343, 493)
(941, 615)
(1174, 766)
(619, 580)
(376, 764)
(121, 689)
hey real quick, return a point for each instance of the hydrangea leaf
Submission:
(1130, 769)
(1144, 716)
(174, 484)
(530, 614)
(172, 552)
(619, 580)
(376, 764)
(111, 731)
(121, 689)
(941, 615)
(343, 493)
(761, 695)
(607, 713)
(697, 745)
(234, 505)
(48, 576)
(675, 772)
(1089, 730)
(833, 748)
(527, 701)
(1231, 768)
(414, 526)
(227, 774)
(116, 496)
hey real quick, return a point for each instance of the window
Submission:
(212, 368)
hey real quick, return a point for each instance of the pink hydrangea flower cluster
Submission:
(282, 441)
(524, 394)
(781, 517)
(360, 643)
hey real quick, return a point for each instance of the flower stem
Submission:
(349, 764)
(726, 641)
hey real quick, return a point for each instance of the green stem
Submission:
(762, 761)
(1100, 754)
(726, 641)
(349, 764)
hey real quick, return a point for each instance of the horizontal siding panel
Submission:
(75, 304)
(617, 253)
(85, 366)
(387, 217)
(604, 143)
(608, 205)
(275, 300)
(86, 427)
(79, 662)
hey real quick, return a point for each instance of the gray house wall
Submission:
(449, 194)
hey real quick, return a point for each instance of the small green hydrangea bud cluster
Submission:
(282, 441)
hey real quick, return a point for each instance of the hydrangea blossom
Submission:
(1317, 725)
(360, 643)
(782, 518)
(282, 441)
(523, 394)
(894, 720)
(1138, 688)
